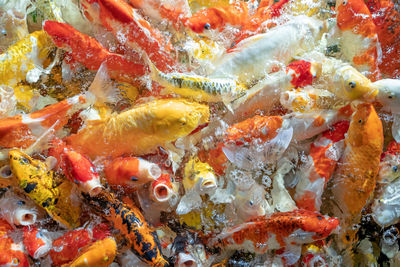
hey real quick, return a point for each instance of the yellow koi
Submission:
(141, 129)
(47, 189)
(198, 175)
(21, 60)
(101, 254)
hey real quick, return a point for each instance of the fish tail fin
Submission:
(154, 71)
(103, 88)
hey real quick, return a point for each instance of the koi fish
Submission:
(325, 152)
(175, 13)
(359, 36)
(132, 225)
(67, 247)
(131, 171)
(17, 210)
(162, 188)
(390, 163)
(89, 52)
(287, 230)
(131, 30)
(313, 256)
(101, 253)
(250, 202)
(35, 242)
(12, 253)
(24, 60)
(217, 18)
(197, 87)
(76, 167)
(198, 176)
(355, 177)
(254, 57)
(43, 186)
(388, 94)
(254, 24)
(141, 129)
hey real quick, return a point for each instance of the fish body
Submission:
(89, 52)
(23, 130)
(278, 230)
(217, 18)
(67, 247)
(198, 176)
(35, 242)
(325, 152)
(101, 253)
(131, 30)
(359, 36)
(45, 188)
(12, 253)
(197, 87)
(132, 225)
(141, 129)
(355, 177)
(24, 59)
(76, 167)
(254, 57)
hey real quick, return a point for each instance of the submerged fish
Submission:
(287, 230)
(141, 129)
(46, 188)
(355, 177)
(389, 168)
(325, 152)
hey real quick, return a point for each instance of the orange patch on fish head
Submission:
(365, 127)
(354, 15)
(318, 122)
(205, 20)
(319, 224)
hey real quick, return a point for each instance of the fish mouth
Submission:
(5, 172)
(162, 193)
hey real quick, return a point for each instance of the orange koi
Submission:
(89, 52)
(66, 247)
(23, 130)
(76, 167)
(325, 152)
(287, 230)
(132, 30)
(131, 171)
(217, 18)
(359, 36)
(355, 177)
(101, 253)
(37, 244)
(130, 222)
(12, 254)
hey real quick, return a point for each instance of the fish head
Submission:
(365, 127)
(199, 175)
(353, 84)
(205, 20)
(163, 189)
(321, 225)
(389, 94)
(179, 117)
(354, 15)
(23, 166)
(389, 168)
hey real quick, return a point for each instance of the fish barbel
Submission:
(355, 177)
(141, 129)
(42, 185)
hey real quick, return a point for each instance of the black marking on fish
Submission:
(30, 187)
(46, 203)
(133, 178)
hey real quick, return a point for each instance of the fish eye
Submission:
(390, 96)
(344, 2)
(3, 32)
(207, 26)
(395, 168)
(251, 203)
(24, 160)
(360, 121)
(352, 84)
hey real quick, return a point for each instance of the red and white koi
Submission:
(389, 168)
(325, 152)
(36, 243)
(12, 252)
(255, 57)
(162, 189)
(279, 230)
(76, 167)
(131, 171)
